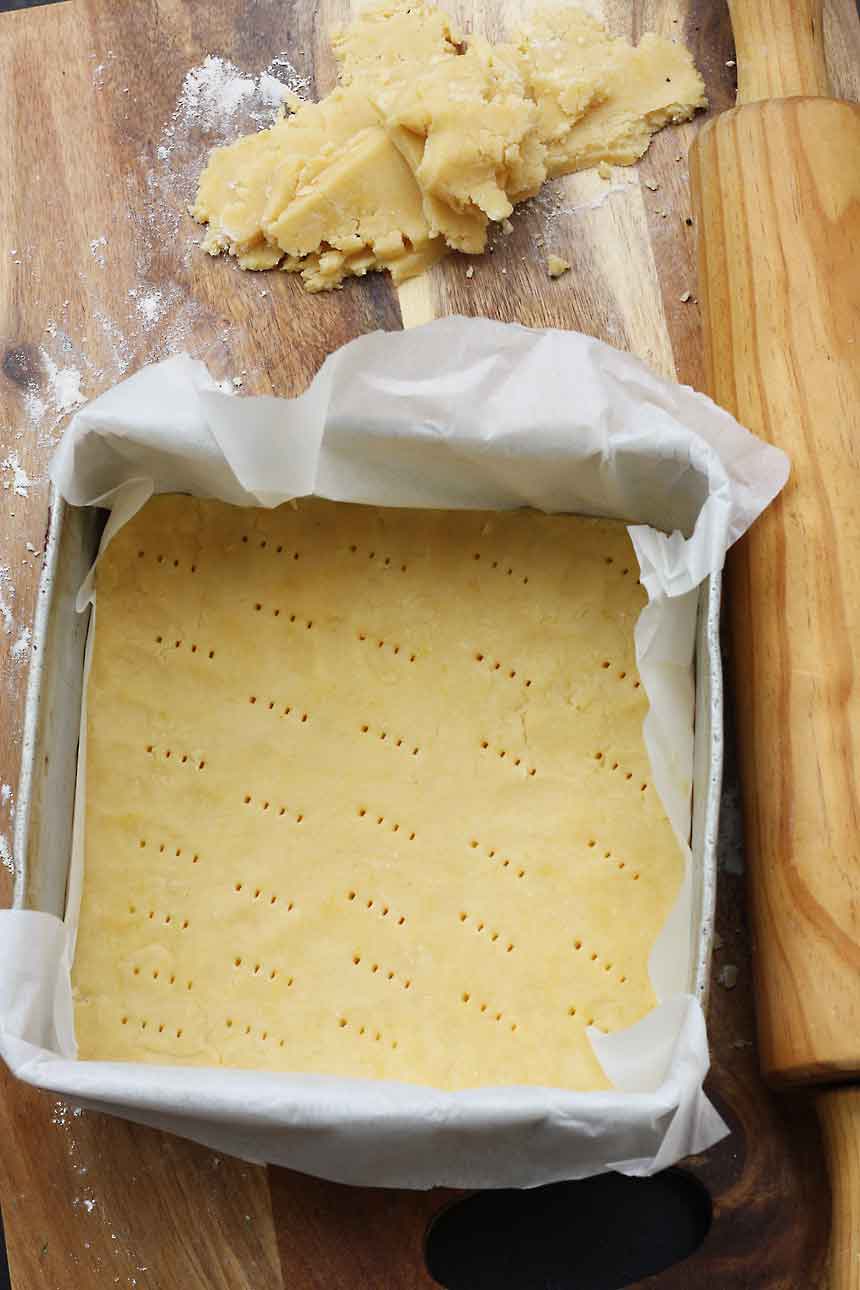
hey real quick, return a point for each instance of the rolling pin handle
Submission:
(839, 1115)
(779, 48)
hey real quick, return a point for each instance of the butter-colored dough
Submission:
(427, 139)
(365, 200)
(598, 98)
(324, 192)
(389, 43)
(247, 184)
(367, 795)
(654, 85)
(471, 169)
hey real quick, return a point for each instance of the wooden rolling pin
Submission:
(776, 190)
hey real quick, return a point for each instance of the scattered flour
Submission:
(97, 246)
(214, 93)
(150, 305)
(20, 650)
(64, 385)
(7, 596)
(120, 350)
(35, 407)
(19, 482)
(574, 195)
(7, 808)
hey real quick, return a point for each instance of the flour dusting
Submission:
(149, 305)
(214, 93)
(7, 596)
(7, 808)
(64, 385)
(35, 407)
(20, 650)
(97, 250)
(19, 481)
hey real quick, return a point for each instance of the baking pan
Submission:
(46, 793)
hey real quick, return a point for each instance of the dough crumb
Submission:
(650, 184)
(470, 272)
(684, 297)
(604, 170)
(507, 227)
(556, 266)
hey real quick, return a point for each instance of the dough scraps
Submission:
(428, 138)
(367, 795)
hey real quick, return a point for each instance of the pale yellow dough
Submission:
(367, 795)
(600, 99)
(427, 139)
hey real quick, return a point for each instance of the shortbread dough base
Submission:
(367, 795)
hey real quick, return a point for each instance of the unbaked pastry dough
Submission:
(598, 98)
(427, 139)
(367, 795)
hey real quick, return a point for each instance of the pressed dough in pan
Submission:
(367, 795)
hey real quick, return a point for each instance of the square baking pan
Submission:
(444, 416)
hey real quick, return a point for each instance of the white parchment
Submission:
(461, 413)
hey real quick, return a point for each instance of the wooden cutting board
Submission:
(99, 143)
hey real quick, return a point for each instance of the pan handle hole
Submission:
(566, 1235)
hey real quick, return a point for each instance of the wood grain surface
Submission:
(839, 1113)
(100, 147)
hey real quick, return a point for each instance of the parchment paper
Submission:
(461, 413)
